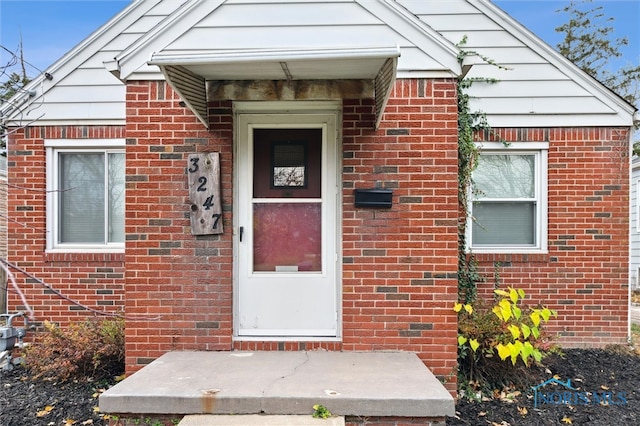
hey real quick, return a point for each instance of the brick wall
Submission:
(3, 233)
(3, 213)
(399, 265)
(95, 281)
(584, 276)
(178, 287)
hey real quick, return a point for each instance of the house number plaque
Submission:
(203, 170)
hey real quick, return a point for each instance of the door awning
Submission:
(188, 72)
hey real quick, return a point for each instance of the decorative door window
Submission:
(289, 165)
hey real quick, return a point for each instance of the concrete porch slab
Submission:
(347, 383)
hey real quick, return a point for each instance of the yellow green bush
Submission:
(490, 336)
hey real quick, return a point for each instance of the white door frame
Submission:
(249, 115)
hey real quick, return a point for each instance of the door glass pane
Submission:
(82, 188)
(286, 163)
(496, 223)
(287, 237)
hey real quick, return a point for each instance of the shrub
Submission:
(496, 344)
(89, 349)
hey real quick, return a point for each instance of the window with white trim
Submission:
(86, 190)
(509, 199)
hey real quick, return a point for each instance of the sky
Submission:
(50, 28)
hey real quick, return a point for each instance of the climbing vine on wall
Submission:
(470, 123)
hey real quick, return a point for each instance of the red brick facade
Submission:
(584, 275)
(3, 214)
(399, 265)
(92, 280)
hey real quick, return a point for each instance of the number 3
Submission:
(194, 168)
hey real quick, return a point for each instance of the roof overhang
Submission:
(188, 72)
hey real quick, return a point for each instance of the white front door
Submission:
(286, 238)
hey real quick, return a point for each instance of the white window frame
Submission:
(53, 147)
(540, 151)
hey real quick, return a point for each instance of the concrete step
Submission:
(257, 419)
(383, 384)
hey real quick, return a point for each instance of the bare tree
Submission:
(590, 43)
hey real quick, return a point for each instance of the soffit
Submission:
(188, 72)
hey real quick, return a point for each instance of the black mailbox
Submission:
(373, 198)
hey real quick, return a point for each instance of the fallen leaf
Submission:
(482, 413)
(69, 422)
(603, 387)
(88, 422)
(567, 420)
(523, 411)
(509, 397)
(46, 411)
(96, 409)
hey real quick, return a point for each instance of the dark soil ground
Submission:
(612, 375)
(25, 402)
(607, 392)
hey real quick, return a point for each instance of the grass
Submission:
(635, 338)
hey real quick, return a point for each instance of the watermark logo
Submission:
(557, 392)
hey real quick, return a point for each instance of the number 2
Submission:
(203, 182)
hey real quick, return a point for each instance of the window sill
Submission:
(84, 256)
(533, 257)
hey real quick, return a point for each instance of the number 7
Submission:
(217, 217)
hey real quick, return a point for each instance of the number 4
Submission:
(208, 203)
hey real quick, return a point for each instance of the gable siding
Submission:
(535, 91)
(82, 89)
(525, 97)
(306, 25)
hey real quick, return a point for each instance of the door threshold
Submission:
(266, 338)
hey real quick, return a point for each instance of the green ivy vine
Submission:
(470, 123)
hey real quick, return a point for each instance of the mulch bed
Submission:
(592, 372)
(606, 391)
